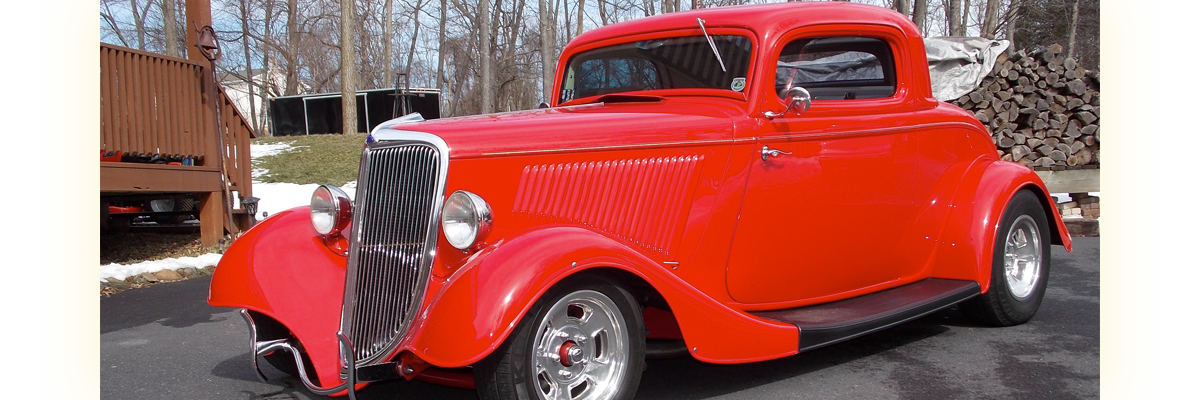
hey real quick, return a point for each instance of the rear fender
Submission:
(282, 270)
(965, 248)
(482, 303)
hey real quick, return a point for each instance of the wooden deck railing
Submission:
(151, 104)
(236, 133)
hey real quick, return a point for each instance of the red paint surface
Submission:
(876, 193)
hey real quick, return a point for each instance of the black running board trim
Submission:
(826, 324)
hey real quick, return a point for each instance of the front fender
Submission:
(281, 269)
(965, 251)
(482, 303)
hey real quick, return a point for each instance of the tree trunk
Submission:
(483, 22)
(902, 6)
(966, 16)
(441, 68)
(990, 16)
(268, 21)
(387, 41)
(349, 80)
(245, 9)
(603, 8)
(1010, 23)
(139, 22)
(545, 23)
(293, 56)
(170, 39)
(579, 18)
(412, 46)
(1073, 28)
(954, 18)
(918, 17)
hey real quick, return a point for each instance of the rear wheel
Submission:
(167, 205)
(1020, 266)
(584, 341)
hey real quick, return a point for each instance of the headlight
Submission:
(330, 209)
(466, 219)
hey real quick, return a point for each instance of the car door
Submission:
(828, 193)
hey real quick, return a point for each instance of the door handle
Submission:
(769, 152)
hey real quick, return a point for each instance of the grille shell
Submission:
(401, 186)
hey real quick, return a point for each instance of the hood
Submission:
(584, 127)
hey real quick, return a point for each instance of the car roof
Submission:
(766, 20)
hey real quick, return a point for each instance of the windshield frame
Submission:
(744, 95)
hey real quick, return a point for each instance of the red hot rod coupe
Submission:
(734, 184)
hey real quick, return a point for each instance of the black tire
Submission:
(1014, 300)
(512, 371)
(183, 204)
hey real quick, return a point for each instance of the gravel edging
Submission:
(113, 285)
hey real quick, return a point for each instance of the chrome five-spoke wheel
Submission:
(1023, 257)
(581, 349)
(584, 339)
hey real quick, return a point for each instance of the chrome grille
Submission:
(391, 249)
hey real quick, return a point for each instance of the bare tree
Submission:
(992, 11)
(170, 41)
(250, 84)
(954, 17)
(349, 99)
(387, 40)
(1074, 27)
(919, 14)
(482, 20)
(902, 6)
(546, 40)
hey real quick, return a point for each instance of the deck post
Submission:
(213, 207)
(212, 217)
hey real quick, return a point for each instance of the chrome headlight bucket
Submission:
(330, 209)
(466, 219)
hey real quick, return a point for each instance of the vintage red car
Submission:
(734, 184)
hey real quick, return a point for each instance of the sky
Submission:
(273, 198)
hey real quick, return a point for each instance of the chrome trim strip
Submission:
(624, 146)
(862, 131)
(386, 138)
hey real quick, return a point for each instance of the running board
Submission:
(826, 324)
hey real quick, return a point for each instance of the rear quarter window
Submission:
(837, 68)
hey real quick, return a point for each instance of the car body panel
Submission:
(281, 269)
(669, 189)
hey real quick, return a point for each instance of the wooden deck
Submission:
(151, 104)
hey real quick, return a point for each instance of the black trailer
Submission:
(313, 114)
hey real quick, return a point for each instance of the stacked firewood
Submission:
(1042, 108)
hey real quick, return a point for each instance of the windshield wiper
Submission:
(711, 44)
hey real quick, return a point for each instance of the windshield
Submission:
(673, 63)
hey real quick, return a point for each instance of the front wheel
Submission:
(1020, 266)
(582, 341)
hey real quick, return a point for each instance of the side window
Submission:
(837, 68)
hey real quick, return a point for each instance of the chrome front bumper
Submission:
(350, 375)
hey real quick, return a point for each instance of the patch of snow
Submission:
(263, 150)
(1065, 197)
(119, 271)
(276, 197)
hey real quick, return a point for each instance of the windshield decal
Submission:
(738, 85)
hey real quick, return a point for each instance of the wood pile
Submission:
(1042, 109)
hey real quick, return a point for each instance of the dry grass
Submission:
(326, 159)
(129, 248)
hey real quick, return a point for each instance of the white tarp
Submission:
(958, 64)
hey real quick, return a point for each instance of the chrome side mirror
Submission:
(800, 102)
